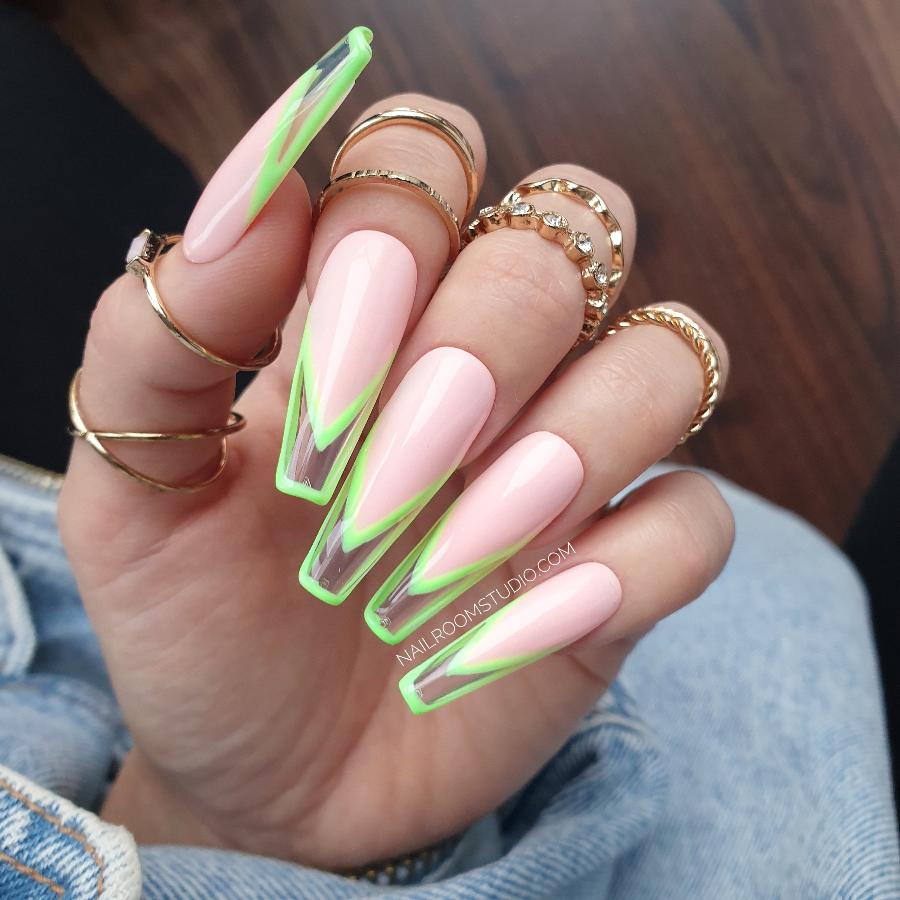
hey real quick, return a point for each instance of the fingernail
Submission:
(355, 323)
(243, 184)
(501, 511)
(415, 445)
(546, 619)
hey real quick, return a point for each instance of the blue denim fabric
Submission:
(741, 753)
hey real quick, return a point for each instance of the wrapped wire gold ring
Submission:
(691, 332)
(94, 440)
(141, 259)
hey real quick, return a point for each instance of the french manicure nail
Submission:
(502, 510)
(415, 445)
(355, 323)
(547, 618)
(243, 184)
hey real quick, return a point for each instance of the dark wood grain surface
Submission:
(759, 139)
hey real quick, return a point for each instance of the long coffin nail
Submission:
(501, 511)
(243, 184)
(415, 445)
(547, 618)
(356, 321)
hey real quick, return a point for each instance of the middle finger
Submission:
(515, 301)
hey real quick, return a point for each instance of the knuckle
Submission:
(628, 378)
(105, 318)
(529, 284)
(702, 523)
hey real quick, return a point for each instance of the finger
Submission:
(376, 256)
(137, 377)
(622, 406)
(387, 210)
(514, 300)
(601, 595)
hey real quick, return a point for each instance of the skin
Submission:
(264, 720)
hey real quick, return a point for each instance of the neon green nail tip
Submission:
(314, 98)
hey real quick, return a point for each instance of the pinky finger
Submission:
(655, 553)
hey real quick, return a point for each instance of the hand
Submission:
(263, 719)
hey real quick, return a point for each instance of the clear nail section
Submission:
(496, 516)
(547, 618)
(414, 446)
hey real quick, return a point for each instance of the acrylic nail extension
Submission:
(243, 184)
(498, 514)
(415, 445)
(355, 323)
(549, 617)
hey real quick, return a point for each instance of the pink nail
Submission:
(355, 324)
(243, 184)
(501, 511)
(415, 445)
(549, 617)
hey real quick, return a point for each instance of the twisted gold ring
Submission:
(691, 332)
(141, 260)
(419, 118)
(94, 439)
(404, 182)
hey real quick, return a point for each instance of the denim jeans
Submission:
(741, 753)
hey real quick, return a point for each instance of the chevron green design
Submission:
(284, 150)
(303, 386)
(387, 529)
(457, 581)
(490, 672)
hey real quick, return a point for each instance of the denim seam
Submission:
(57, 823)
(19, 866)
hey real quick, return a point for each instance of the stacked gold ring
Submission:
(419, 118)
(422, 119)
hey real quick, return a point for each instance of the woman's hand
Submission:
(263, 719)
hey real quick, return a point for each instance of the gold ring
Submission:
(94, 439)
(419, 118)
(596, 204)
(576, 244)
(405, 182)
(143, 254)
(701, 345)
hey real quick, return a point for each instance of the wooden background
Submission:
(758, 139)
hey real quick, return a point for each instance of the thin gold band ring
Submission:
(145, 251)
(404, 182)
(420, 118)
